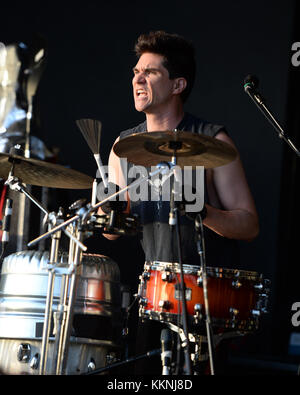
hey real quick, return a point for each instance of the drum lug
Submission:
(263, 303)
(34, 363)
(233, 313)
(263, 290)
(236, 284)
(166, 275)
(263, 286)
(198, 308)
(146, 276)
(200, 281)
(198, 315)
(143, 301)
(24, 352)
(110, 358)
(91, 365)
(164, 304)
(255, 313)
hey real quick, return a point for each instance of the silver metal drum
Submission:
(22, 356)
(96, 324)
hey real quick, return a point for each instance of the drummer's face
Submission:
(152, 87)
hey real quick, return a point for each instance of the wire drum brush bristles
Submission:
(91, 130)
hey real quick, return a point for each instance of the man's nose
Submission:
(139, 78)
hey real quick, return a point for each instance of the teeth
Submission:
(141, 91)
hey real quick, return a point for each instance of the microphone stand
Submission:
(201, 252)
(259, 101)
(174, 220)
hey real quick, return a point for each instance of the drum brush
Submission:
(91, 130)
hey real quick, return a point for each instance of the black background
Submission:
(88, 75)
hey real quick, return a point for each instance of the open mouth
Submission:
(141, 93)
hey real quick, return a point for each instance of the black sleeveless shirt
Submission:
(159, 238)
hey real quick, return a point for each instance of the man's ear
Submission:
(179, 85)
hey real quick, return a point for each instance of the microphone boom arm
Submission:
(257, 99)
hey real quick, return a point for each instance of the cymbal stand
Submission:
(201, 252)
(15, 184)
(60, 314)
(54, 268)
(174, 220)
(75, 257)
(49, 301)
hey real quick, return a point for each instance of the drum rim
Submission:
(218, 272)
(246, 325)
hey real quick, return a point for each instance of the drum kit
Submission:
(61, 312)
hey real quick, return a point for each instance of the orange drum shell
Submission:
(222, 295)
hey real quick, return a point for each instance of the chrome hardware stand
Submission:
(161, 168)
(201, 252)
(65, 314)
(75, 257)
(60, 316)
(15, 184)
(49, 301)
(174, 220)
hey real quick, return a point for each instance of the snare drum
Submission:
(236, 298)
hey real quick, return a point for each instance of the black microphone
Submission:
(6, 222)
(251, 83)
(166, 351)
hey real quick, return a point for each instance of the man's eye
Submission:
(148, 72)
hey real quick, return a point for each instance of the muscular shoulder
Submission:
(142, 127)
(199, 125)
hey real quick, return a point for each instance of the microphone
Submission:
(166, 351)
(251, 83)
(250, 86)
(6, 222)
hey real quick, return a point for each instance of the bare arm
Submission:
(238, 217)
(116, 176)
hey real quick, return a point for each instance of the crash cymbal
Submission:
(40, 173)
(192, 149)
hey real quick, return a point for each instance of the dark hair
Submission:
(179, 55)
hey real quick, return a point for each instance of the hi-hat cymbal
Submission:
(40, 173)
(192, 149)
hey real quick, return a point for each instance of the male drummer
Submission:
(163, 78)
